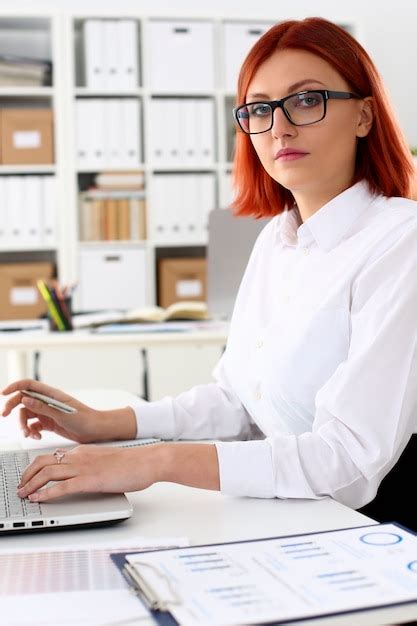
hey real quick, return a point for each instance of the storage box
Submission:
(19, 295)
(239, 38)
(112, 277)
(181, 279)
(181, 55)
(26, 136)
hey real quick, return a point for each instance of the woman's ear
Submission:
(366, 117)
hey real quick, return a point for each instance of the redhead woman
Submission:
(316, 393)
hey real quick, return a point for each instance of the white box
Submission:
(239, 37)
(112, 278)
(181, 55)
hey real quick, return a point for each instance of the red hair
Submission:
(383, 158)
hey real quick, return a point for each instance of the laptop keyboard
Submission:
(12, 465)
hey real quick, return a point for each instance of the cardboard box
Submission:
(26, 136)
(181, 279)
(19, 295)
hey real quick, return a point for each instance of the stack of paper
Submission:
(18, 71)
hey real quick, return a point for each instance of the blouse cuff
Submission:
(246, 468)
(155, 419)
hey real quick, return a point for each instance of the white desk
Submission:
(205, 516)
(19, 345)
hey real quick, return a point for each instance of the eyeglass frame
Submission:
(279, 104)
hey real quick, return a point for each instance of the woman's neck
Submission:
(310, 202)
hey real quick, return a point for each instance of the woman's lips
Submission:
(291, 156)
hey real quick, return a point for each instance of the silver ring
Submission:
(59, 456)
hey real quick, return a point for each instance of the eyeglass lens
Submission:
(301, 109)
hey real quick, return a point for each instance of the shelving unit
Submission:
(66, 51)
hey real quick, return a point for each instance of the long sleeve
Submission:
(366, 410)
(211, 411)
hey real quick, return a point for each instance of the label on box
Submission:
(23, 296)
(27, 139)
(188, 288)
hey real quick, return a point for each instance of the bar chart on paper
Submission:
(82, 586)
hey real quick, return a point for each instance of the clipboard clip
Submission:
(145, 591)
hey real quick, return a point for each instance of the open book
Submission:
(185, 310)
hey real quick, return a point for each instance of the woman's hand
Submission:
(92, 469)
(85, 426)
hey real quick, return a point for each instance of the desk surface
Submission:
(206, 517)
(22, 340)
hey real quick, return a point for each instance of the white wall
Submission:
(387, 29)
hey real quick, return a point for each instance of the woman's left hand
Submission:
(91, 469)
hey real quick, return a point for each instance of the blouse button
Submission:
(306, 251)
(259, 343)
(258, 395)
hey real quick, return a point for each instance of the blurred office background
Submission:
(116, 142)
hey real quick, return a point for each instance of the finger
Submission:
(35, 429)
(41, 461)
(24, 415)
(11, 404)
(44, 476)
(35, 385)
(63, 488)
(41, 408)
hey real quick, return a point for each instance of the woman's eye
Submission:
(260, 109)
(309, 101)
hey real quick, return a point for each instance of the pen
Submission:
(10, 330)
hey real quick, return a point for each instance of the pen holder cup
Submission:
(62, 309)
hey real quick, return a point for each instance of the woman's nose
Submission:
(281, 125)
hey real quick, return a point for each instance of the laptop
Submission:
(21, 515)
(230, 244)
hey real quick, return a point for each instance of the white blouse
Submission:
(316, 393)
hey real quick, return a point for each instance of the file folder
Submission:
(14, 210)
(279, 579)
(32, 210)
(94, 53)
(3, 209)
(49, 211)
(129, 54)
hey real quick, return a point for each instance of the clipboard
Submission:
(162, 608)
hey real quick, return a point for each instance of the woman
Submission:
(316, 392)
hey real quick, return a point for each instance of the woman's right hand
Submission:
(84, 426)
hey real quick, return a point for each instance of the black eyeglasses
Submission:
(301, 109)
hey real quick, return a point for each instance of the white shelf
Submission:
(198, 167)
(89, 170)
(139, 243)
(66, 52)
(105, 93)
(27, 169)
(26, 92)
(29, 249)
